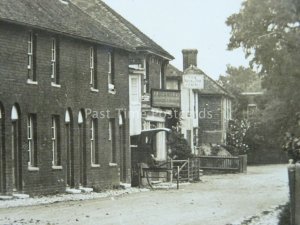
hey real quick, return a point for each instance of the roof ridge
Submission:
(132, 26)
(115, 33)
(115, 17)
(68, 20)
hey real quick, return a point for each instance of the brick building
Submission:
(64, 95)
(205, 105)
(147, 66)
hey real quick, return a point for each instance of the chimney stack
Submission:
(189, 58)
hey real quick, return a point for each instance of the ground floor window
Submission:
(94, 141)
(32, 139)
(56, 152)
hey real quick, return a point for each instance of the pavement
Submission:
(230, 199)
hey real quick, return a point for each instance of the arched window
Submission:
(67, 117)
(14, 113)
(80, 117)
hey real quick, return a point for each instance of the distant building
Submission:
(252, 94)
(205, 105)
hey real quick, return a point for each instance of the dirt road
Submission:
(218, 200)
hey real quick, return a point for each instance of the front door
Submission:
(69, 148)
(16, 157)
(70, 156)
(123, 161)
(82, 149)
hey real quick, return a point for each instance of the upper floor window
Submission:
(146, 78)
(111, 72)
(31, 56)
(93, 67)
(162, 75)
(195, 105)
(54, 61)
(32, 140)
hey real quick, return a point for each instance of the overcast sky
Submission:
(179, 24)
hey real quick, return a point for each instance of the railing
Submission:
(186, 170)
(191, 169)
(224, 163)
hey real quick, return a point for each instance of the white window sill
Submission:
(32, 168)
(95, 165)
(55, 85)
(94, 90)
(29, 81)
(57, 167)
(113, 164)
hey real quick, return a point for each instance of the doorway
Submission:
(16, 150)
(82, 148)
(69, 148)
(123, 161)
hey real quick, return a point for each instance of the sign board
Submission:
(193, 81)
(165, 98)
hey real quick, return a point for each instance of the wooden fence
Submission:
(191, 169)
(224, 163)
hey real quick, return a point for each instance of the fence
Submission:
(224, 163)
(294, 183)
(191, 169)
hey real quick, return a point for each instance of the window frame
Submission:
(31, 58)
(32, 140)
(111, 71)
(55, 62)
(55, 140)
(93, 68)
(94, 148)
(112, 140)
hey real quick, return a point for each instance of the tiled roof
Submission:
(173, 72)
(91, 20)
(58, 16)
(212, 87)
(109, 18)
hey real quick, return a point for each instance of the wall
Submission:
(210, 119)
(46, 100)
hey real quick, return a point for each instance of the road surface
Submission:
(217, 200)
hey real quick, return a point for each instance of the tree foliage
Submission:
(269, 33)
(179, 146)
(237, 81)
(236, 133)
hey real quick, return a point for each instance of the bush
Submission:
(179, 147)
(236, 133)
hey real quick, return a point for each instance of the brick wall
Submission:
(210, 118)
(46, 100)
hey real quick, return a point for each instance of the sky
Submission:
(180, 24)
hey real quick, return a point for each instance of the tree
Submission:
(268, 31)
(237, 81)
